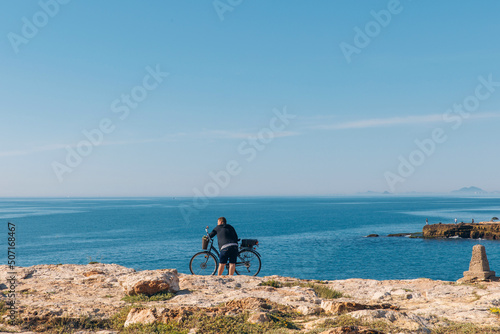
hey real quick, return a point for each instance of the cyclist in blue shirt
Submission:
(228, 245)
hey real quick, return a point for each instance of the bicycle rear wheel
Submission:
(248, 263)
(203, 263)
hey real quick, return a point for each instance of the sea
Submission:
(305, 237)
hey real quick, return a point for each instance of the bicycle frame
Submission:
(245, 259)
(213, 250)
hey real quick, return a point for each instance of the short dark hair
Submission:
(223, 220)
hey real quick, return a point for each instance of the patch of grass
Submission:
(346, 321)
(476, 296)
(161, 296)
(273, 283)
(66, 325)
(282, 321)
(215, 325)
(238, 324)
(459, 328)
(325, 292)
(343, 320)
(3, 308)
(118, 320)
(171, 328)
(321, 289)
(475, 285)
(108, 296)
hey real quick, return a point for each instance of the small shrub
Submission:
(325, 292)
(321, 290)
(67, 325)
(464, 328)
(3, 308)
(273, 283)
(348, 321)
(118, 319)
(159, 328)
(161, 296)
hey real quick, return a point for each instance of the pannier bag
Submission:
(247, 243)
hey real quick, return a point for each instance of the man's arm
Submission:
(235, 234)
(213, 233)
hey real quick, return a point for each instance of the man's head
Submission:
(221, 221)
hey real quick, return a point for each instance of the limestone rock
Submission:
(140, 315)
(150, 282)
(341, 307)
(250, 303)
(379, 295)
(400, 319)
(93, 272)
(258, 318)
(309, 310)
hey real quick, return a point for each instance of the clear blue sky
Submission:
(67, 66)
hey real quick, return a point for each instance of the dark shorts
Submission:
(229, 253)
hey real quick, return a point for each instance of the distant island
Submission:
(470, 191)
(465, 191)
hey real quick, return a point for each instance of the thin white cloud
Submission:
(215, 134)
(31, 151)
(55, 147)
(222, 134)
(393, 121)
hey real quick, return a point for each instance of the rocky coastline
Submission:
(483, 230)
(108, 298)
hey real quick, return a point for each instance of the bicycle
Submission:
(206, 262)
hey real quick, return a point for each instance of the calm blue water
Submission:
(320, 238)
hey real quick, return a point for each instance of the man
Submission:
(228, 245)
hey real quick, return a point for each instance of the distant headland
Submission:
(483, 230)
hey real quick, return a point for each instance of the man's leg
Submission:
(222, 266)
(232, 260)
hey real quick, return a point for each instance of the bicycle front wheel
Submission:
(203, 263)
(248, 263)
